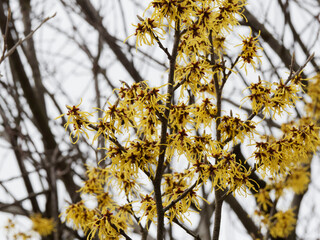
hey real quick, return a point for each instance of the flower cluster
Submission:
(80, 215)
(313, 89)
(79, 120)
(146, 32)
(234, 128)
(106, 225)
(299, 179)
(175, 185)
(282, 223)
(249, 50)
(279, 156)
(148, 130)
(41, 225)
(273, 98)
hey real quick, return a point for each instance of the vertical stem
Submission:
(163, 140)
(218, 192)
(217, 214)
(54, 194)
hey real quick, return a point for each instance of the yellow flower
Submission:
(172, 10)
(204, 113)
(218, 43)
(313, 90)
(79, 215)
(260, 96)
(234, 128)
(199, 147)
(93, 185)
(180, 116)
(105, 200)
(107, 225)
(227, 173)
(43, 226)
(263, 199)
(298, 180)
(192, 74)
(148, 206)
(282, 223)
(270, 159)
(249, 51)
(286, 92)
(125, 213)
(194, 42)
(205, 16)
(146, 32)
(79, 120)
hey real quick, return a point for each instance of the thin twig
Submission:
(162, 47)
(300, 68)
(20, 41)
(183, 195)
(230, 71)
(6, 33)
(196, 236)
(114, 140)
